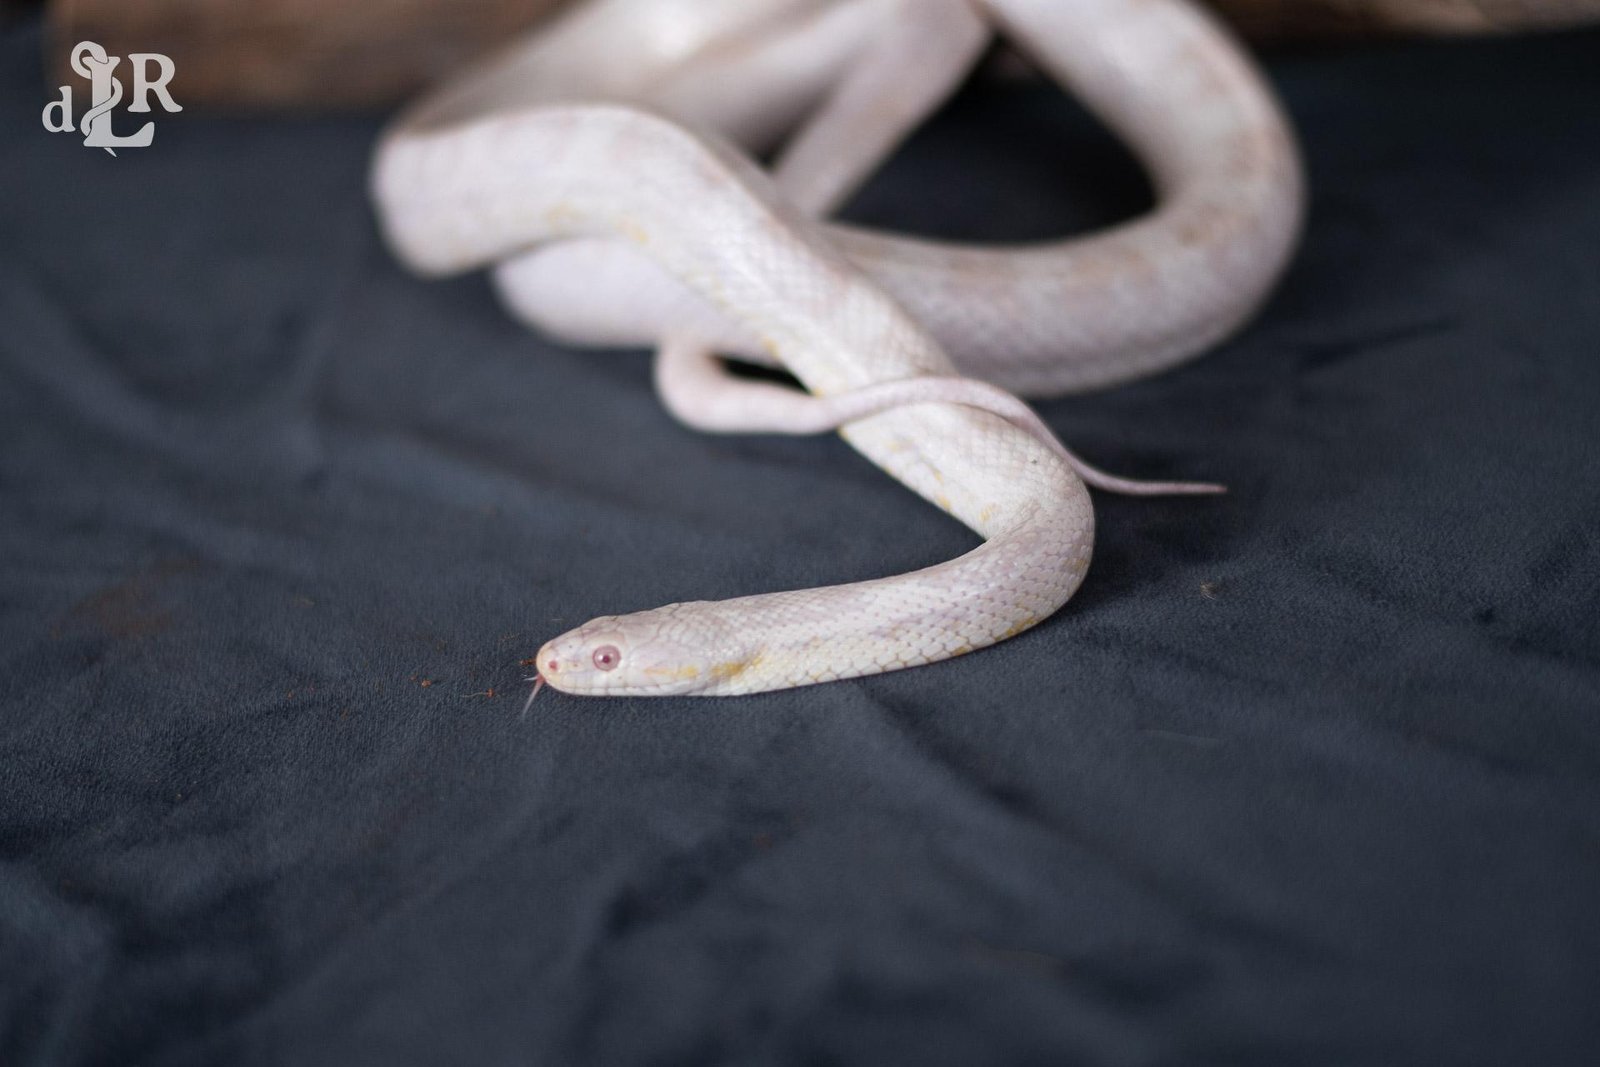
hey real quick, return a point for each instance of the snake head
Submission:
(665, 652)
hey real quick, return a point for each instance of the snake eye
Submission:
(606, 657)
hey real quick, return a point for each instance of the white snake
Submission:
(611, 223)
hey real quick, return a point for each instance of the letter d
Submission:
(65, 104)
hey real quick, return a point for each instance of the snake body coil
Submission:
(480, 176)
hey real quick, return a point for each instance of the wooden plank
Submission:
(302, 54)
(1268, 21)
(319, 54)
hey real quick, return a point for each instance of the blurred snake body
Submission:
(608, 222)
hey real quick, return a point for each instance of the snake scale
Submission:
(601, 169)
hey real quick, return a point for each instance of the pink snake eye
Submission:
(606, 657)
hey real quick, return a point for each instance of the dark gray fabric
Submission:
(1307, 774)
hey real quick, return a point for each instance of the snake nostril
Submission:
(553, 666)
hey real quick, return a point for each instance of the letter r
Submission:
(142, 85)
